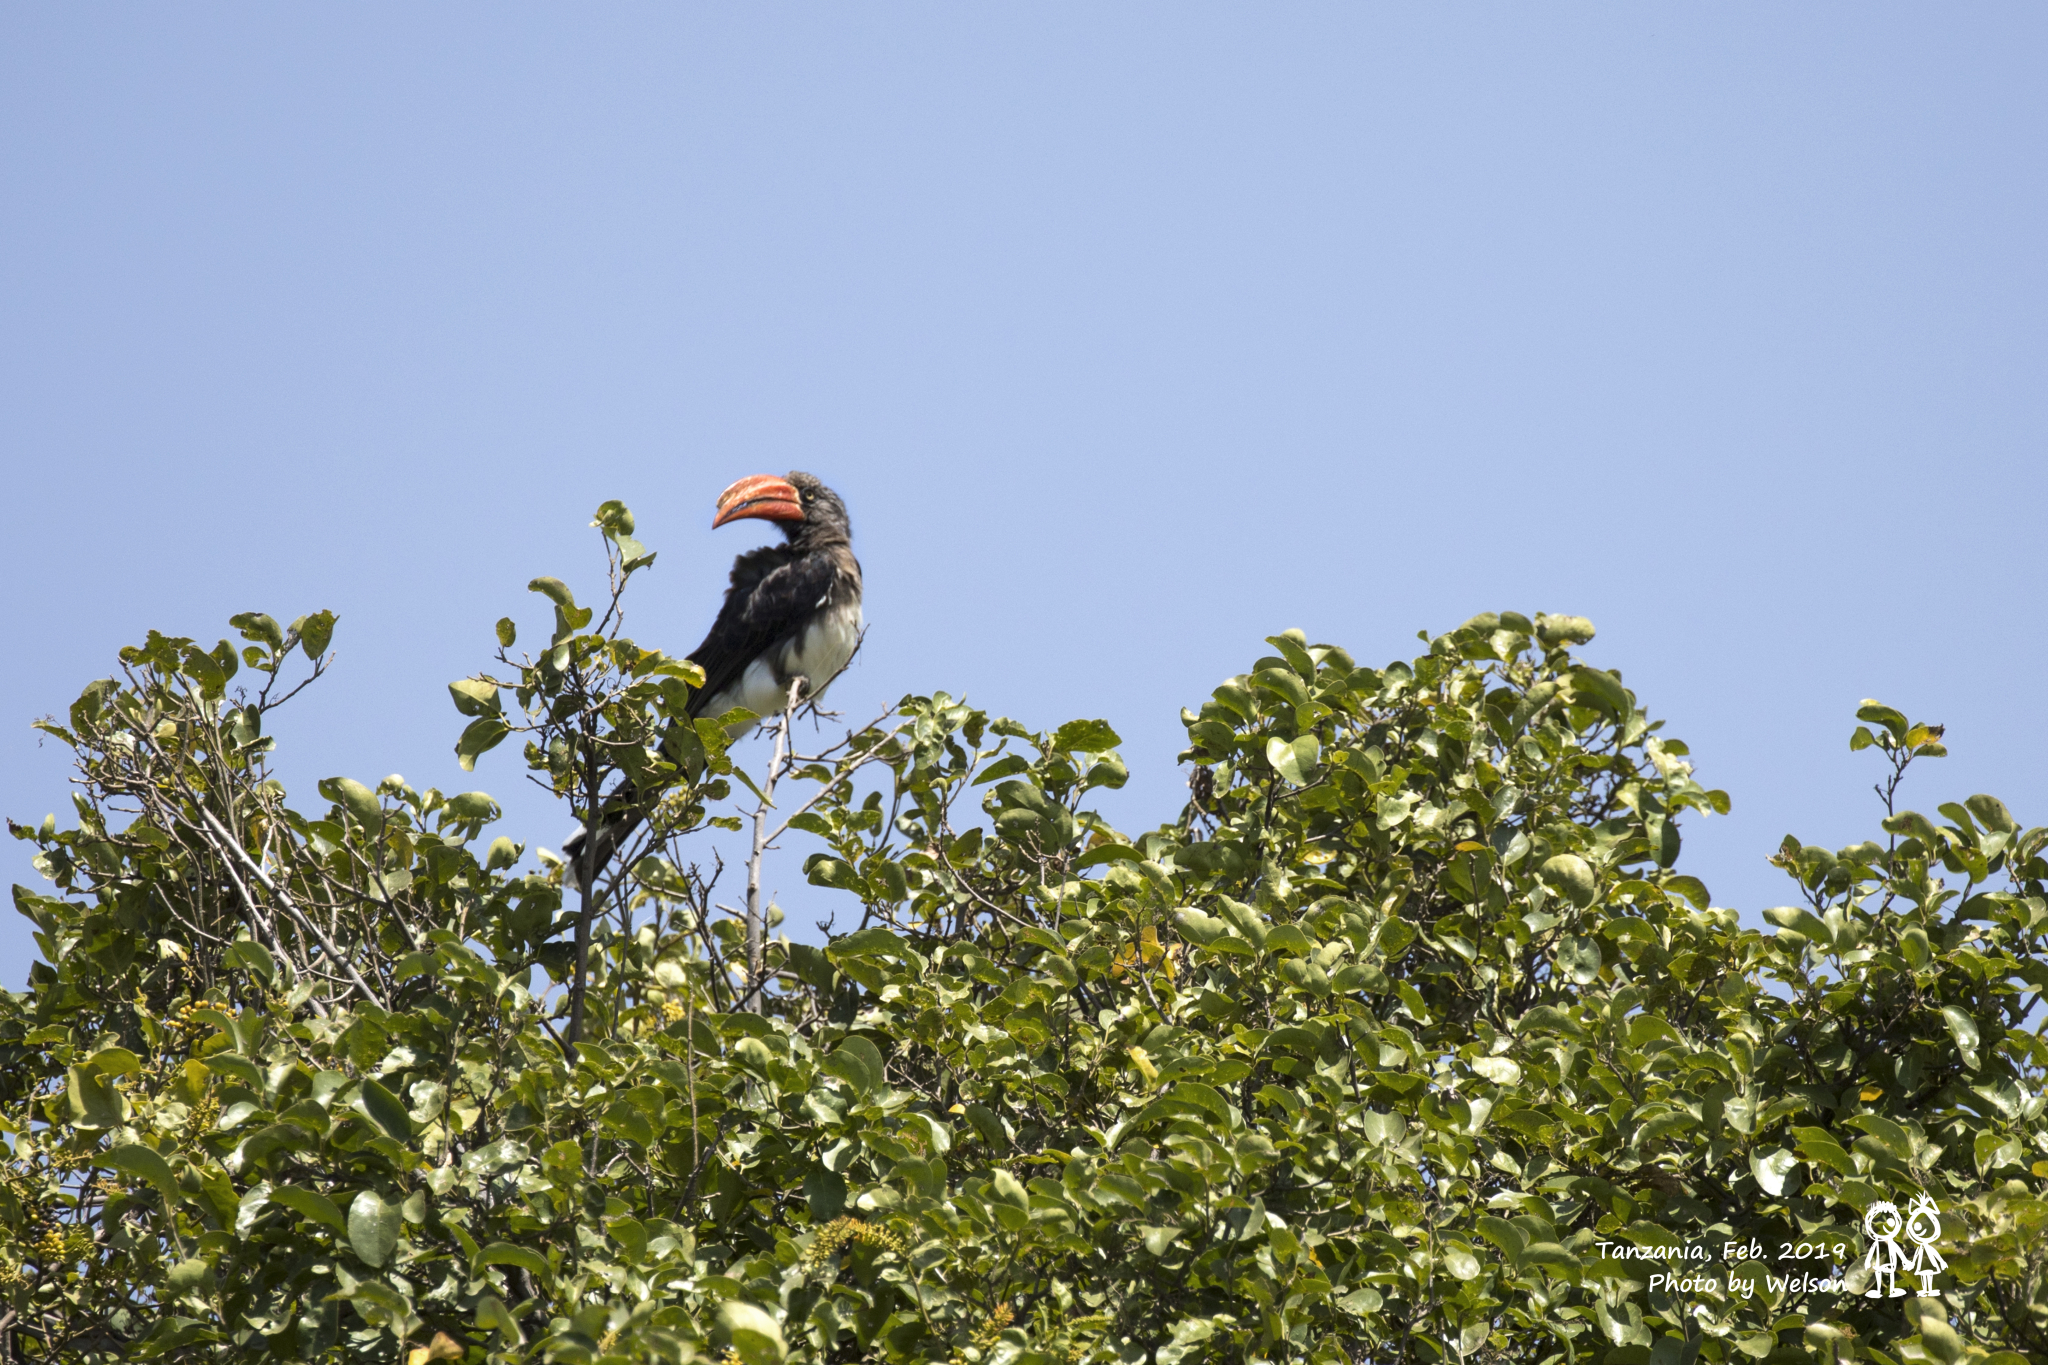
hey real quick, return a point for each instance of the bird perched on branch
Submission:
(791, 611)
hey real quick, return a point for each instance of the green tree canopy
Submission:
(1406, 1040)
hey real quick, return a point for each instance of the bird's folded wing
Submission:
(773, 596)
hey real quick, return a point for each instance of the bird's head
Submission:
(804, 508)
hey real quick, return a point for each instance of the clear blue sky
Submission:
(1130, 333)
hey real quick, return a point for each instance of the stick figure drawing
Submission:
(1923, 1228)
(1885, 1259)
(1881, 1228)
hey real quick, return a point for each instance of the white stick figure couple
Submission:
(1885, 1258)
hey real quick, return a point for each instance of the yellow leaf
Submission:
(1871, 1092)
(1149, 950)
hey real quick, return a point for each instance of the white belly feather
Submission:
(818, 653)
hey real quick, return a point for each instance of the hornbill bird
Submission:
(791, 611)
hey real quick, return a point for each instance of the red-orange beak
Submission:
(768, 496)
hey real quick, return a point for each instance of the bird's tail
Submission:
(589, 853)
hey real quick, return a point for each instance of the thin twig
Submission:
(277, 892)
(757, 951)
(854, 764)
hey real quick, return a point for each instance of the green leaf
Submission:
(471, 808)
(1992, 814)
(824, 1195)
(1285, 684)
(1993, 1149)
(254, 1200)
(1601, 690)
(1940, 1340)
(747, 780)
(1107, 853)
(479, 737)
(857, 1062)
(865, 943)
(555, 590)
(1210, 859)
(1771, 1169)
(1580, 959)
(146, 1163)
(628, 1121)
(1816, 1145)
(263, 629)
(189, 1276)
(1553, 631)
(1085, 736)
(1286, 938)
(382, 1108)
(1462, 1264)
(1914, 825)
(92, 1099)
(1964, 1030)
(1500, 1070)
(474, 696)
(253, 958)
(1551, 1257)
(1503, 1234)
(1877, 713)
(115, 1061)
(310, 1204)
(378, 1303)
(1798, 920)
(355, 798)
(1571, 877)
(886, 879)
(1200, 928)
(1004, 1186)
(505, 1253)
(821, 870)
(316, 632)
(1692, 888)
(373, 1226)
(754, 1334)
(1888, 1134)
(1548, 1017)
(493, 1316)
(206, 670)
(1382, 1129)
(1007, 766)
(1158, 1239)
(1280, 754)
(508, 632)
